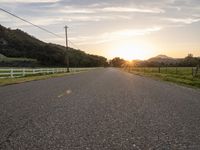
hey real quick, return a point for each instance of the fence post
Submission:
(159, 69)
(192, 72)
(176, 70)
(196, 71)
(11, 73)
(24, 73)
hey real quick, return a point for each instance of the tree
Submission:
(190, 61)
(189, 56)
(117, 62)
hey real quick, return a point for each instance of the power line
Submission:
(29, 22)
(73, 44)
(36, 26)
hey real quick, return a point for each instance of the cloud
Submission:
(105, 20)
(48, 21)
(95, 9)
(71, 10)
(135, 32)
(132, 9)
(112, 36)
(183, 20)
(29, 1)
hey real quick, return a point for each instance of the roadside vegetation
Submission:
(8, 81)
(185, 71)
(180, 75)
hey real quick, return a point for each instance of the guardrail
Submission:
(22, 72)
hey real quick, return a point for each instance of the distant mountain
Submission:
(16, 43)
(162, 59)
(165, 61)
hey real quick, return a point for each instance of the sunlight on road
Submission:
(67, 92)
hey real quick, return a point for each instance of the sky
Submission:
(131, 29)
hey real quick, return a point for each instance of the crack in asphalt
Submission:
(7, 141)
(10, 134)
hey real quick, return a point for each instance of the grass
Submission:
(183, 75)
(8, 81)
(11, 59)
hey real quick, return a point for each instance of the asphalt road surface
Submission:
(104, 109)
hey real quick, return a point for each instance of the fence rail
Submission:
(22, 72)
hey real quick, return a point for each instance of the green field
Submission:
(180, 75)
(10, 59)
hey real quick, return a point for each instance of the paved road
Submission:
(105, 109)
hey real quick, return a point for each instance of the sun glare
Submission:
(132, 51)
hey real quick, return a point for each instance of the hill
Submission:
(162, 59)
(16, 43)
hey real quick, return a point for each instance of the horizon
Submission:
(122, 57)
(129, 30)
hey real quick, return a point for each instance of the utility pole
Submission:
(67, 49)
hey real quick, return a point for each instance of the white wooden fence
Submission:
(22, 72)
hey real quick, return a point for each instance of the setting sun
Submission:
(133, 51)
